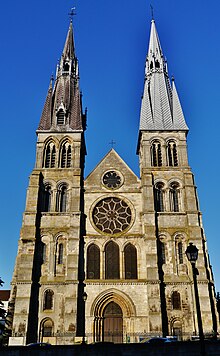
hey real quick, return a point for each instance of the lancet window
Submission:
(50, 156)
(60, 254)
(61, 204)
(66, 154)
(172, 154)
(130, 255)
(180, 252)
(48, 299)
(162, 252)
(158, 196)
(175, 300)
(174, 197)
(47, 198)
(93, 262)
(156, 155)
(112, 261)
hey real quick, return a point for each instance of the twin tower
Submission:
(110, 248)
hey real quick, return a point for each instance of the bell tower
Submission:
(45, 281)
(171, 215)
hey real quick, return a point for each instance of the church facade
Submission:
(110, 249)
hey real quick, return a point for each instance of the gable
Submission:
(112, 162)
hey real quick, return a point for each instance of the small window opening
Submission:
(60, 254)
(60, 117)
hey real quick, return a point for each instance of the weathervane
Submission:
(112, 143)
(72, 13)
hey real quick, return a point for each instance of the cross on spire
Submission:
(72, 13)
(112, 143)
(152, 11)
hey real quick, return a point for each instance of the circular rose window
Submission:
(112, 180)
(112, 215)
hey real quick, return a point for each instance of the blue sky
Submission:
(111, 43)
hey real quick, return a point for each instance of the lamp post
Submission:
(192, 255)
(84, 298)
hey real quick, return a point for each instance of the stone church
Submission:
(103, 257)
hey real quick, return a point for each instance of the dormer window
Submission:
(61, 117)
(66, 67)
(157, 64)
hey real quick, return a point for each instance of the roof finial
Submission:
(72, 13)
(152, 11)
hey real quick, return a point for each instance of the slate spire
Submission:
(160, 107)
(62, 109)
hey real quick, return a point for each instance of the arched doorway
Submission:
(177, 329)
(113, 323)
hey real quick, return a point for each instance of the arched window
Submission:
(172, 154)
(130, 255)
(66, 67)
(158, 197)
(47, 198)
(162, 252)
(174, 197)
(60, 254)
(180, 252)
(61, 203)
(175, 300)
(112, 261)
(48, 299)
(66, 155)
(156, 156)
(47, 328)
(60, 117)
(93, 262)
(49, 155)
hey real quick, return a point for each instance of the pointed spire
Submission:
(68, 51)
(160, 108)
(62, 109)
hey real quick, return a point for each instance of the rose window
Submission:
(112, 180)
(112, 215)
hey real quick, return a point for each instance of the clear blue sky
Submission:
(111, 41)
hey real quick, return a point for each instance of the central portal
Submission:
(113, 323)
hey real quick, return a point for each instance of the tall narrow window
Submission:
(60, 254)
(47, 198)
(49, 156)
(180, 252)
(61, 204)
(174, 197)
(93, 262)
(63, 157)
(68, 162)
(175, 300)
(53, 157)
(172, 154)
(61, 117)
(156, 156)
(130, 254)
(158, 197)
(48, 299)
(63, 199)
(112, 261)
(162, 252)
(66, 155)
(43, 252)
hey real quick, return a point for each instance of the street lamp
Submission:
(84, 298)
(192, 255)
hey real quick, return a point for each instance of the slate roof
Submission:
(160, 108)
(65, 93)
